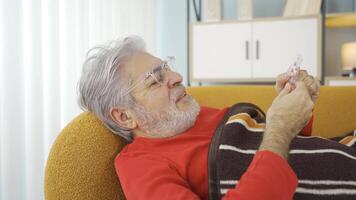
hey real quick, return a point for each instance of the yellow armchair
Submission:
(80, 164)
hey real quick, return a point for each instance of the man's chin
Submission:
(172, 122)
(170, 134)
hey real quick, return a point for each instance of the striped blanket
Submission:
(326, 168)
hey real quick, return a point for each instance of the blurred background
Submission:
(43, 44)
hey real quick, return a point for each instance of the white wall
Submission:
(171, 32)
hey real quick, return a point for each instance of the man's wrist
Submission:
(276, 141)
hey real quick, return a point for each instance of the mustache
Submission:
(176, 92)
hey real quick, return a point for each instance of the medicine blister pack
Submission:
(294, 70)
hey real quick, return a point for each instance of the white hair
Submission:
(102, 84)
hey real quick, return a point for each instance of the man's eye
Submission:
(158, 76)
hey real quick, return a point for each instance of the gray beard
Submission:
(168, 123)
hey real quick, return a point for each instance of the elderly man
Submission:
(139, 97)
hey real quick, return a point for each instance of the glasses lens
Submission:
(171, 62)
(157, 75)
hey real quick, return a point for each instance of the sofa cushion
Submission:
(334, 113)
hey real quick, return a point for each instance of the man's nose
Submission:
(174, 78)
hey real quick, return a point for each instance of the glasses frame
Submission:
(164, 66)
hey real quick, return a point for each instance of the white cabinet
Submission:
(278, 44)
(220, 51)
(340, 81)
(256, 50)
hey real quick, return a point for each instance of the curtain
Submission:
(43, 44)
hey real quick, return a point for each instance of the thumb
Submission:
(281, 81)
(286, 90)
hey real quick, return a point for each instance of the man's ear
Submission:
(123, 117)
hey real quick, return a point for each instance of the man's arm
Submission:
(147, 178)
(289, 113)
(268, 177)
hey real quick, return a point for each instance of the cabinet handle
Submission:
(247, 50)
(257, 49)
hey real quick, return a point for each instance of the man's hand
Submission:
(288, 114)
(312, 83)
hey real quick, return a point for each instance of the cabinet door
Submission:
(277, 45)
(221, 52)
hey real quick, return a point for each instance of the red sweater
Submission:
(176, 168)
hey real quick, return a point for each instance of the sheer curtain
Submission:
(42, 48)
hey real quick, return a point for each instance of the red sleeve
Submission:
(307, 130)
(269, 177)
(148, 178)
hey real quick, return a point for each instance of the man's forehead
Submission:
(140, 63)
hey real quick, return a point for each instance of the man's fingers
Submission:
(301, 87)
(312, 83)
(286, 90)
(302, 74)
(283, 78)
(281, 81)
(308, 80)
(314, 97)
(303, 92)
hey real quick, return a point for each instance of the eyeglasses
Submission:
(157, 76)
